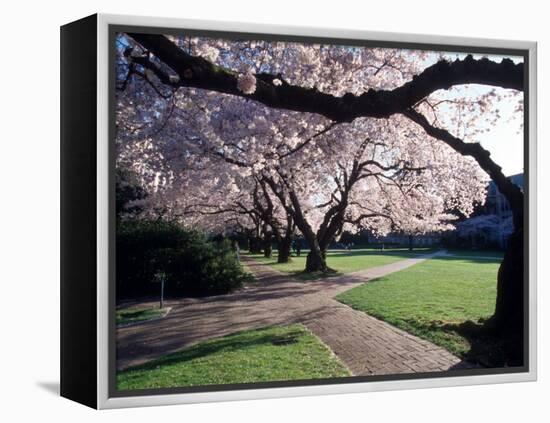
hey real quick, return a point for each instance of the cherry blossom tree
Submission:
(286, 99)
(289, 170)
(362, 175)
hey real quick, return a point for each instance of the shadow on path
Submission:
(365, 345)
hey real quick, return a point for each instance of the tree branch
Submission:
(483, 157)
(200, 73)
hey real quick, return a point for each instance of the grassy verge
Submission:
(442, 300)
(342, 261)
(133, 314)
(249, 278)
(261, 355)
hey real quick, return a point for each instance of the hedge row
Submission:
(190, 264)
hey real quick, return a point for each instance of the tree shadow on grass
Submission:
(470, 259)
(487, 347)
(404, 253)
(234, 342)
(483, 346)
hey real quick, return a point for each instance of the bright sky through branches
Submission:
(505, 140)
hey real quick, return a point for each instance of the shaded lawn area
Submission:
(477, 253)
(342, 261)
(136, 314)
(260, 355)
(433, 299)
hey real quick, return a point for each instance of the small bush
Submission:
(193, 265)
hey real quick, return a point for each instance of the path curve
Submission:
(366, 345)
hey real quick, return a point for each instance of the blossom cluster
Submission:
(214, 160)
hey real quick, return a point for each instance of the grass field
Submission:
(433, 298)
(133, 315)
(477, 253)
(342, 261)
(268, 354)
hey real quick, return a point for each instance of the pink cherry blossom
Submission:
(247, 83)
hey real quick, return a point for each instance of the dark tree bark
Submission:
(283, 250)
(316, 260)
(335, 216)
(199, 73)
(273, 228)
(284, 243)
(508, 319)
(267, 244)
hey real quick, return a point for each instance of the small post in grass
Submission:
(235, 246)
(162, 293)
(161, 277)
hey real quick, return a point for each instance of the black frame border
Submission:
(78, 211)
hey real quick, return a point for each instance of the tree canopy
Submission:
(308, 137)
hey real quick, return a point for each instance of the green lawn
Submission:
(432, 299)
(343, 261)
(476, 253)
(133, 315)
(267, 354)
(250, 278)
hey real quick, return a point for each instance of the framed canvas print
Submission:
(254, 211)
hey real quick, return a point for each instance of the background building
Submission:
(489, 227)
(492, 224)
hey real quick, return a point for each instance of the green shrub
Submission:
(193, 265)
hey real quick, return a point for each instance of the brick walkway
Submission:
(367, 346)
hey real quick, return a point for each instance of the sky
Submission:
(506, 147)
(505, 139)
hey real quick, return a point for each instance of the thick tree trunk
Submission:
(267, 244)
(508, 320)
(316, 260)
(283, 249)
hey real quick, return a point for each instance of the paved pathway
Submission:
(367, 346)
